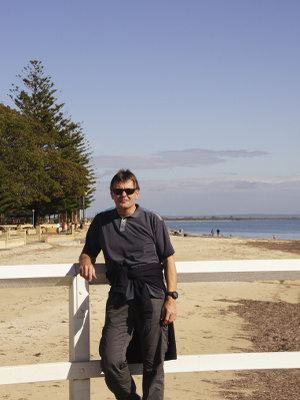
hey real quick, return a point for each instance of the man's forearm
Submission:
(169, 310)
(170, 273)
(85, 258)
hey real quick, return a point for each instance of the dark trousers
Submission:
(117, 332)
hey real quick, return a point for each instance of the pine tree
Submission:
(67, 151)
(23, 163)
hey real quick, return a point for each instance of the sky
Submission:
(199, 98)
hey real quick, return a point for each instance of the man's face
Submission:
(125, 202)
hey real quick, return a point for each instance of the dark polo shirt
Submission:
(139, 239)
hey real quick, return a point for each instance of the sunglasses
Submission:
(119, 191)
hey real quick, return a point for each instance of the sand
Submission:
(211, 319)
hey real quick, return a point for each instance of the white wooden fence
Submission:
(80, 368)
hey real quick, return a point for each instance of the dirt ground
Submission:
(213, 318)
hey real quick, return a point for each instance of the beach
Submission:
(212, 318)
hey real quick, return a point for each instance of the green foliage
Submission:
(22, 161)
(44, 157)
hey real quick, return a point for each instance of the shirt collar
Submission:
(136, 214)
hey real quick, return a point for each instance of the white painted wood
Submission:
(14, 276)
(80, 369)
(49, 372)
(42, 275)
(238, 265)
(238, 361)
(37, 271)
(79, 389)
(79, 334)
(191, 363)
(230, 271)
(79, 339)
(36, 282)
(235, 270)
(238, 270)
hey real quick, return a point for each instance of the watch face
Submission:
(173, 294)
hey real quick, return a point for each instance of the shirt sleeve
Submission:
(92, 245)
(164, 247)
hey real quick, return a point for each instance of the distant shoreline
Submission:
(231, 218)
(252, 227)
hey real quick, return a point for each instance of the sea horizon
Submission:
(232, 217)
(263, 228)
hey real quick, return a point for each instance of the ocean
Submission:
(281, 229)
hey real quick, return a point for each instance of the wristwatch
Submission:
(172, 294)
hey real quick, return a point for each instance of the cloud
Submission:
(213, 196)
(226, 196)
(174, 158)
(245, 185)
(226, 184)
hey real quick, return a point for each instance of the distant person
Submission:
(137, 251)
(57, 228)
(218, 232)
(212, 232)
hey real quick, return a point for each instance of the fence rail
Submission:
(80, 368)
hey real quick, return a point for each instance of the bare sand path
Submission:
(34, 321)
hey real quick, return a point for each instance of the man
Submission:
(137, 250)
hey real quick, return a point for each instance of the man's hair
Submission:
(122, 176)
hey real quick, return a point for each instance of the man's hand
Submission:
(86, 268)
(169, 311)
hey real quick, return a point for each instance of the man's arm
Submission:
(86, 267)
(169, 310)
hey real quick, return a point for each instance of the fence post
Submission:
(79, 337)
(7, 235)
(39, 232)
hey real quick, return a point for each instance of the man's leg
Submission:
(116, 336)
(154, 342)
